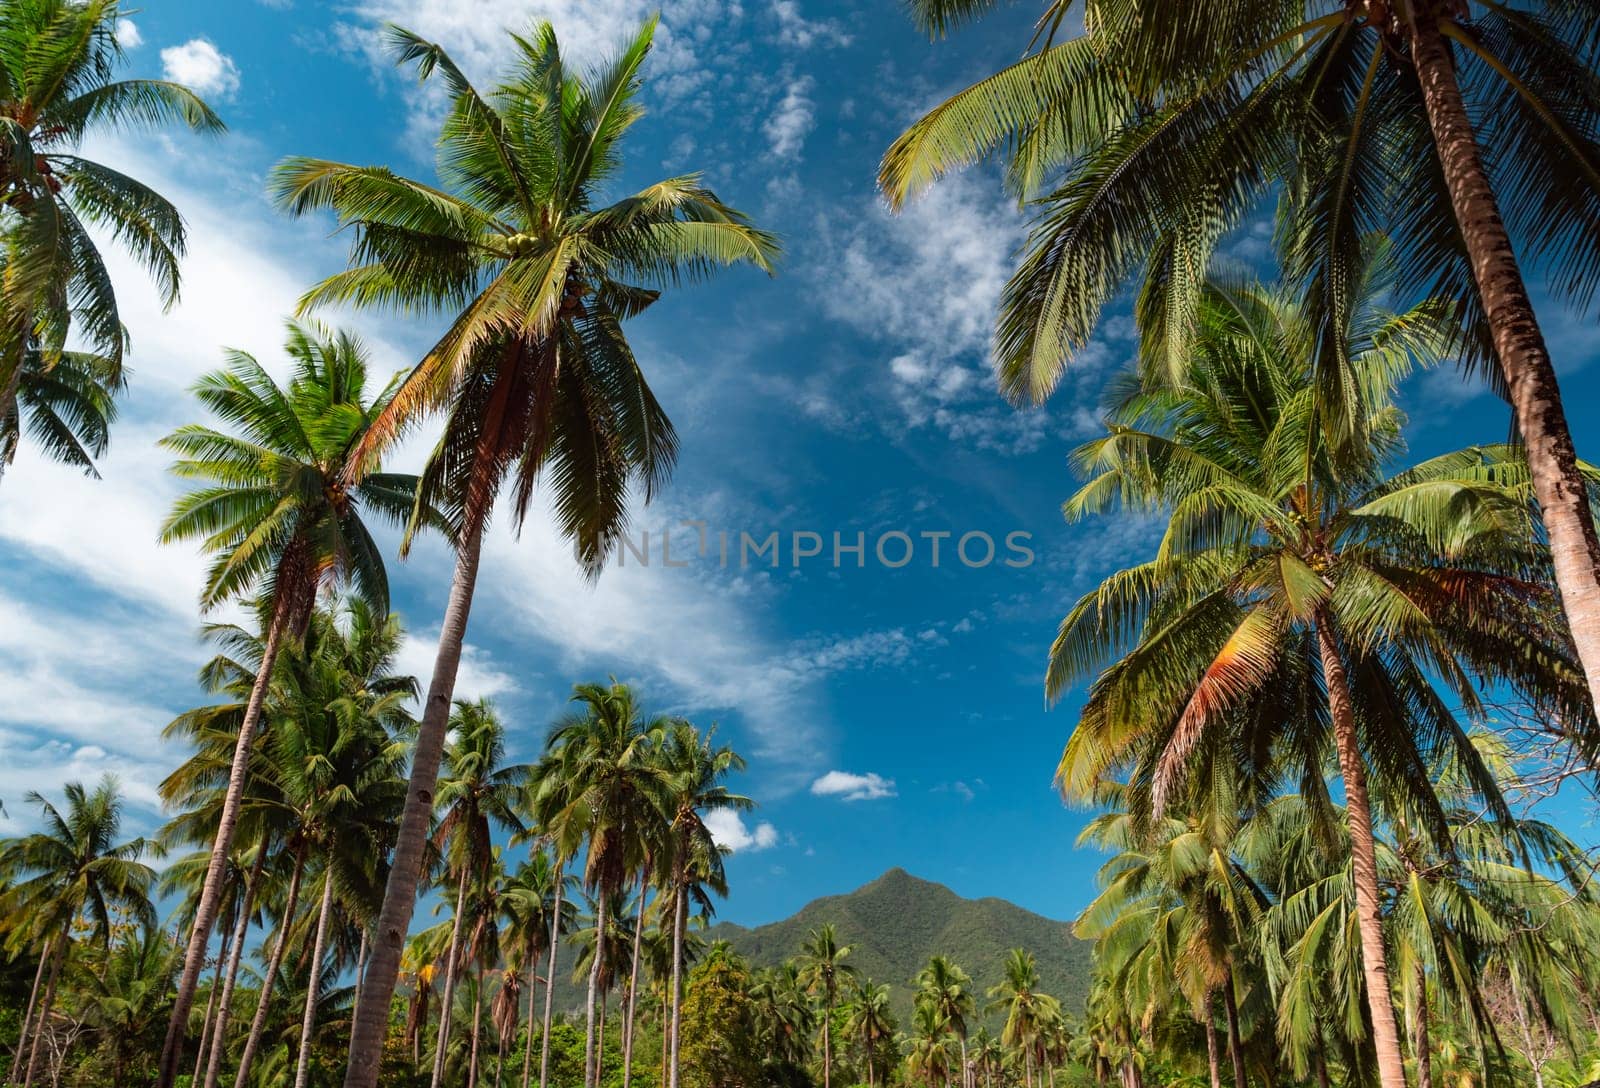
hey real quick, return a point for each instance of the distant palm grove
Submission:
(1320, 722)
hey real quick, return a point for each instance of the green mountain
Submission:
(897, 922)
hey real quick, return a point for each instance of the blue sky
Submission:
(891, 716)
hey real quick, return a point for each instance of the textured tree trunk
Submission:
(1235, 1047)
(227, 822)
(590, 1063)
(45, 956)
(527, 1047)
(827, 1040)
(447, 1006)
(1519, 344)
(46, 1003)
(633, 985)
(241, 928)
(258, 1025)
(477, 1028)
(308, 1018)
(1208, 1018)
(550, 984)
(211, 1009)
(1364, 860)
(680, 895)
(368, 1029)
(361, 973)
(1422, 1042)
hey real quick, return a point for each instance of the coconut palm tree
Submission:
(1304, 602)
(537, 914)
(604, 778)
(871, 1021)
(823, 972)
(58, 85)
(1466, 128)
(698, 770)
(66, 407)
(124, 1001)
(72, 872)
(537, 274)
(947, 989)
(930, 1049)
(275, 511)
(477, 796)
(1026, 1007)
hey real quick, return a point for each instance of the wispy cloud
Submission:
(792, 120)
(848, 786)
(795, 30)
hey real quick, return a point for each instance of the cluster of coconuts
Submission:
(520, 245)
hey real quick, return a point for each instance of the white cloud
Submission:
(796, 30)
(477, 677)
(202, 67)
(853, 787)
(128, 35)
(792, 121)
(728, 829)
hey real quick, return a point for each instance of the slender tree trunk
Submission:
(447, 1007)
(633, 985)
(361, 973)
(308, 1019)
(1423, 1043)
(590, 1064)
(680, 895)
(205, 913)
(600, 1041)
(1235, 1047)
(258, 1025)
(241, 928)
(533, 986)
(211, 1009)
(1208, 1018)
(1519, 344)
(45, 956)
(47, 1003)
(827, 1041)
(1363, 859)
(477, 1027)
(367, 1031)
(1322, 1067)
(550, 984)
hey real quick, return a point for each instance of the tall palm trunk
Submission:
(45, 956)
(241, 927)
(211, 1008)
(633, 985)
(46, 1003)
(1235, 1046)
(533, 984)
(1213, 1065)
(447, 1006)
(680, 896)
(367, 1030)
(590, 1062)
(361, 972)
(827, 1040)
(477, 1027)
(1363, 859)
(308, 1018)
(258, 1026)
(205, 913)
(1519, 344)
(1422, 1041)
(549, 985)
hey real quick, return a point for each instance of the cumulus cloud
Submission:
(792, 121)
(202, 67)
(728, 829)
(847, 786)
(128, 35)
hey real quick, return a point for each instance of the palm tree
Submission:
(822, 971)
(66, 407)
(58, 62)
(477, 796)
(1026, 1007)
(947, 989)
(73, 871)
(537, 915)
(931, 1049)
(276, 512)
(1299, 592)
(605, 775)
(537, 378)
(871, 1021)
(698, 770)
(125, 1001)
(1166, 124)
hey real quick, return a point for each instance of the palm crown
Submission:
(537, 274)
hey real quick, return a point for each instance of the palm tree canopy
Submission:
(537, 272)
(66, 407)
(272, 487)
